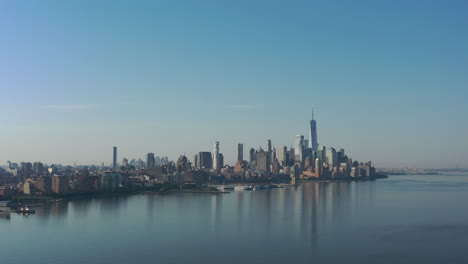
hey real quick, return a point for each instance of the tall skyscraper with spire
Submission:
(313, 143)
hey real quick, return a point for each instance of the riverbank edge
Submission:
(60, 198)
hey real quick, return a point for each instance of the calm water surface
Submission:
(403, 219)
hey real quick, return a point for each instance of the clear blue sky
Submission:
(388, 79)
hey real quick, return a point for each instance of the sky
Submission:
(387, 79)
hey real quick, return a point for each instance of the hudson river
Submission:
(402, 219)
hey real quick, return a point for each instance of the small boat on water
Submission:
(25, 210)
(242, 188)
(220, 188)
(239, 188)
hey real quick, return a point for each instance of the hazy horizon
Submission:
(387, 79)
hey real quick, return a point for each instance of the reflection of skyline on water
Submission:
(305, 211)
(5, 217)
(316, 221)
(216, 213)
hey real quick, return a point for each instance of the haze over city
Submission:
(387, 79)
(233, 131)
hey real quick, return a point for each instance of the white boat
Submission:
(220, 188)
(25, 210)
(240, 188)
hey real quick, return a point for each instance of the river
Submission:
(402, 219)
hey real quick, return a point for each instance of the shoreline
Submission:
(61, 198)
(346, 180)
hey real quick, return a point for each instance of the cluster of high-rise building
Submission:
(314, 161)
(25, 168)
(305, 160)
(151, 161)
(207, 160)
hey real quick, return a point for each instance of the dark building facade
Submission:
(205, 160)
(240, 152)
(263, 161)
(44, 184)
(290, 156)
(60, 184)
(150, 161)
(220, 160)
(114, 160)
(251, 155)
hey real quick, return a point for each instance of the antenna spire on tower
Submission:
(312, 112)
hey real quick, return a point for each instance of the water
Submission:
(403, 219)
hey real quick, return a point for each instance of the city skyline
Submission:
(246, 131)
(302, 149)
(387, 79)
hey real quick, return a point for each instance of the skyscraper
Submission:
(321, 154)
(240, 152)
(263, 161)
(291, 158)
(205, 161)
(215, 156)
(195, 161)
(220, 161)
(331, 157)
(251, 155)
(124, 162)
(313, 144)
(150, 161)
(299, 148)
(269, 145)
(114, 162)
(282, 152)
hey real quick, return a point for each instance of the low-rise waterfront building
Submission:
(110, 181)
